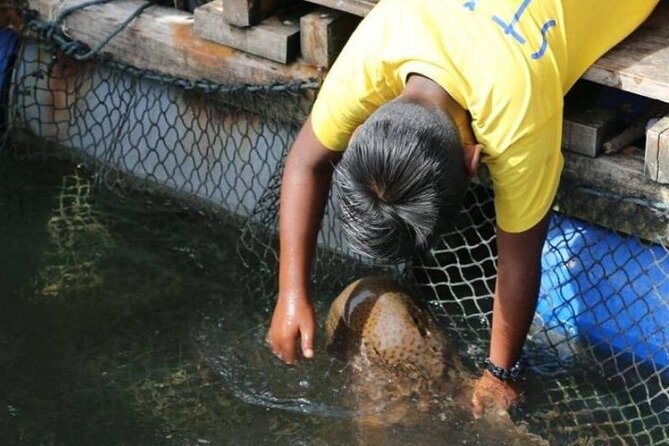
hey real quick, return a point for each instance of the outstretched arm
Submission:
(304, 190)
(518, 277)
(516, 292)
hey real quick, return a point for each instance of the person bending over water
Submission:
(421, 92)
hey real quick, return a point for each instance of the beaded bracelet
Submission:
(512, 374)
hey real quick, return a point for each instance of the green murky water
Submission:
(127, 320)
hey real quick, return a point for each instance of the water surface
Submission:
(129, 319)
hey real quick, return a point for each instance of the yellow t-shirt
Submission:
(508, 62)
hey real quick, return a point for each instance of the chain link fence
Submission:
(599, 345)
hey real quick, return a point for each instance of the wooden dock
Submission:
(162, 39)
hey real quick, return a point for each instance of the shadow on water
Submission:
(130, 320)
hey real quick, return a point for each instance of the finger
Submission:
(287, 350)
(282, 357)
(477, 407)
(307, 335)
(273, 344)
(277, 349)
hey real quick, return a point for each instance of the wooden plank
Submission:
(616, 177)
(657, 151)
(248, 12)
(621, 174)
(357, 7)
(639, 63)
(585, 130)
(593, 189)
(276, 38)
(162, 39)
(323, 34)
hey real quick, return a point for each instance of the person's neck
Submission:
(424, 90)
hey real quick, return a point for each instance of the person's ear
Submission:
(472, 154)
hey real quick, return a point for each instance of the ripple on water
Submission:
(248, 369)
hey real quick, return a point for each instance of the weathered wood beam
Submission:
(162, 39)
(248, 12)
(620, 174)
(639, 63)
(323, 34)
(657, 151)
(276, 38)
(357, 7)
(585, 130)
(613, 192)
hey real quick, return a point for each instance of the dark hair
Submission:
(401, 179)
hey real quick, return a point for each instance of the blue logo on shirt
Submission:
(510, 26)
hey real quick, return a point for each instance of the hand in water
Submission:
(293, 318)
(490, 392)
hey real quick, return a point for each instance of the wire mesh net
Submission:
(599, 345)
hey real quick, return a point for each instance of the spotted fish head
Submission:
(403, 365)
(374, 321)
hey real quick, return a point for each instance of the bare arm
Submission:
(518, 278)
(304, 190)
(516, 292)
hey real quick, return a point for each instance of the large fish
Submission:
(402, 366)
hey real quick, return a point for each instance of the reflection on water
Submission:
(129, 320)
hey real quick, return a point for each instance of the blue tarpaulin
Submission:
(608, 289)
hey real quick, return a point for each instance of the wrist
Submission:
(296, 294)
(293, 277)
(513, 373)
